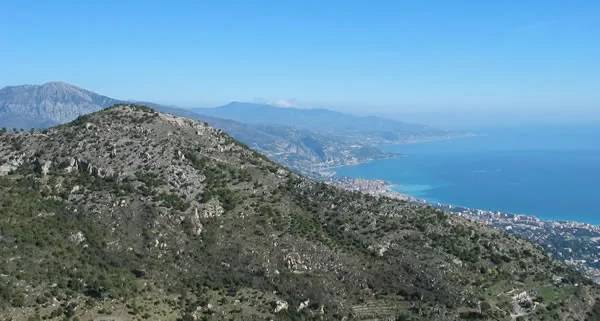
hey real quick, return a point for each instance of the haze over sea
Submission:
(549, 172)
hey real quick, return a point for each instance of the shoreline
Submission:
(388, 188)
(577, 244)
(328, 171)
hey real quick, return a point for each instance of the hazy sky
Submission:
(390, 57)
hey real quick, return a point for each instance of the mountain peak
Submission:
(48, 104)
(58, 83)
(49, 84)
(243, 104)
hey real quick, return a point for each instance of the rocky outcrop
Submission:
(9, 165)
(280, 305)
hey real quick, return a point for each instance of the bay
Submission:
(549, 172)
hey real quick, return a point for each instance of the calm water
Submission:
(553, 173)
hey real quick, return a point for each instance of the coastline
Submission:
(329, 171)
(575, 243)
(414, 190)
(387, 188)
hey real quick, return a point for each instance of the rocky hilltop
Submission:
(130, 214)
(47, 105)
(303, 150)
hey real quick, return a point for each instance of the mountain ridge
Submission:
(303, 150)
(325, 121)
(169, 218)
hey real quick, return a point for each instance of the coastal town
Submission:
(375, 187)
(577, 244)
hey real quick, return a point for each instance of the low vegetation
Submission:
(128, 214)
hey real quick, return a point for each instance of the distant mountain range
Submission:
(376, 129)
(309, 140)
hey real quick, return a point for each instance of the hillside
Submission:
(129, 214)
(40, 106)
(302, 150)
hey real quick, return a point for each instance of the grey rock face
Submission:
(48, 104)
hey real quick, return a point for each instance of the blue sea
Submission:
(549, 172)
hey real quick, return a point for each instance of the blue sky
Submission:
(388, 57)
